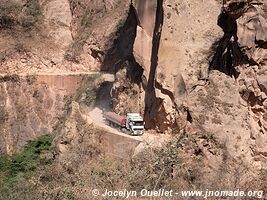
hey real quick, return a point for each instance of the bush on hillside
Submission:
(25, 162)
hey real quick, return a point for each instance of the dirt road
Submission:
(103, 104)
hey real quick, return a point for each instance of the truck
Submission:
(131, 123)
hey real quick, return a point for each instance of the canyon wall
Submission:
(185, 67)
(202, 73)
(32, 105)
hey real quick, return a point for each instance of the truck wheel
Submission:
(124, 130)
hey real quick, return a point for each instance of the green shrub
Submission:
(25, 162)
(31, 14)
(17, 169)
(9, 8)
(8, 11)
(33, 8)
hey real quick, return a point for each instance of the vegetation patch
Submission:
(85, 168)
(13, 13)
(152, 169)
(19, 167)
(88, 91)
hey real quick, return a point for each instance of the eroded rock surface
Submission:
(202, 73)
(252, 39)
(171, 50)
(31, 106)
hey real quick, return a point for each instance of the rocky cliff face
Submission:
(202, 73)
(242, 53)
(171, 45)
(31, 106)
(251, 37)
(185, 70)
(58, 36)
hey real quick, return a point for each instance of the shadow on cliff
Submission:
(152, 103)
(227, 52)
(120, 55)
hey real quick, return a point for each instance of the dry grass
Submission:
(75, 175)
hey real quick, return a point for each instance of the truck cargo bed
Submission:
(115, 118)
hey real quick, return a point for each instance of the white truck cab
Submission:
(135, 123)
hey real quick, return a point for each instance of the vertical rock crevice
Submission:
(134, 79)
(153, 103)
(155, 45)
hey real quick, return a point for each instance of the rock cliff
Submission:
(184, 70)
(31, 106)
(201, 72)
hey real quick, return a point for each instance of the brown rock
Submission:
(262, 81)
(261, 145)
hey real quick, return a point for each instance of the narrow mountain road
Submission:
(146, 140)
(103, 104)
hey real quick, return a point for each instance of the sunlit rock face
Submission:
(171, 41)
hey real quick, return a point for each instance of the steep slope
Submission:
(47, 49)
(31, 106)
(197, 71)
